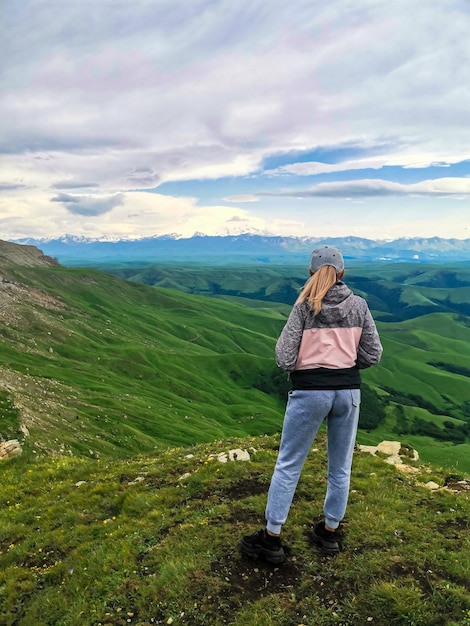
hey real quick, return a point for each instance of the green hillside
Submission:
(423, 318)
(97, 365)
(396, 291)
(425, 383)
(94, 365)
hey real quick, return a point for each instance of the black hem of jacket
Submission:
(324, 378)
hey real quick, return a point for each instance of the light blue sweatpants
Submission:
(305, 411)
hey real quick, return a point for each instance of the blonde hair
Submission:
(317, 286)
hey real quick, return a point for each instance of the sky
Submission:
(136, 118)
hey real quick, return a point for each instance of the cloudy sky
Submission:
(137, 118)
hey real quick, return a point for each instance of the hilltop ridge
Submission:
(25, 255)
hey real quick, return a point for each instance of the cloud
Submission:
(11, 186)
(88, 205)
(312, 168)
(242, 198)
(444, 187)
(132, 215)
(143, 177)
(70, 184)
(413, 161)
(212, 90)
(257, 75)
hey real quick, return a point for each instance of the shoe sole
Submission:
(256, 553)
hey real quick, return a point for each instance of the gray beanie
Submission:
(327, 255)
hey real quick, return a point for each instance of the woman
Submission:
(330, 335)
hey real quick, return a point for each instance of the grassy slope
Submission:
(119, 368)
(427, 304)
(132, 542)
(409, 348)
(116, 367)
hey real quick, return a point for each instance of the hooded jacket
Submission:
(327, 350)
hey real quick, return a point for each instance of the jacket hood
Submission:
(337, 303)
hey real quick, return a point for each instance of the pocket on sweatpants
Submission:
(356, 396)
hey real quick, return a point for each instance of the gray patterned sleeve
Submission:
(287, 346)
(370, 349)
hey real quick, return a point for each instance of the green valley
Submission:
(94, 365)
(422, 313)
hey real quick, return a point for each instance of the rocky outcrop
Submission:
(10, 449)
(232, 455)
(395, 453)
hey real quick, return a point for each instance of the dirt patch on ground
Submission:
(457, 485)
(249, 580)
(244, 580)
(453, 529)
(243, 489)
(237, 581)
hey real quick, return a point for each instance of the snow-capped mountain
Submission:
(245, 247)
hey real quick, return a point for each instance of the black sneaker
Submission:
(329, 541)
(261, 544)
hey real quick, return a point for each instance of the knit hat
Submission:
(327, 255)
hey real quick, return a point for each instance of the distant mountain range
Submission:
(246, 248)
